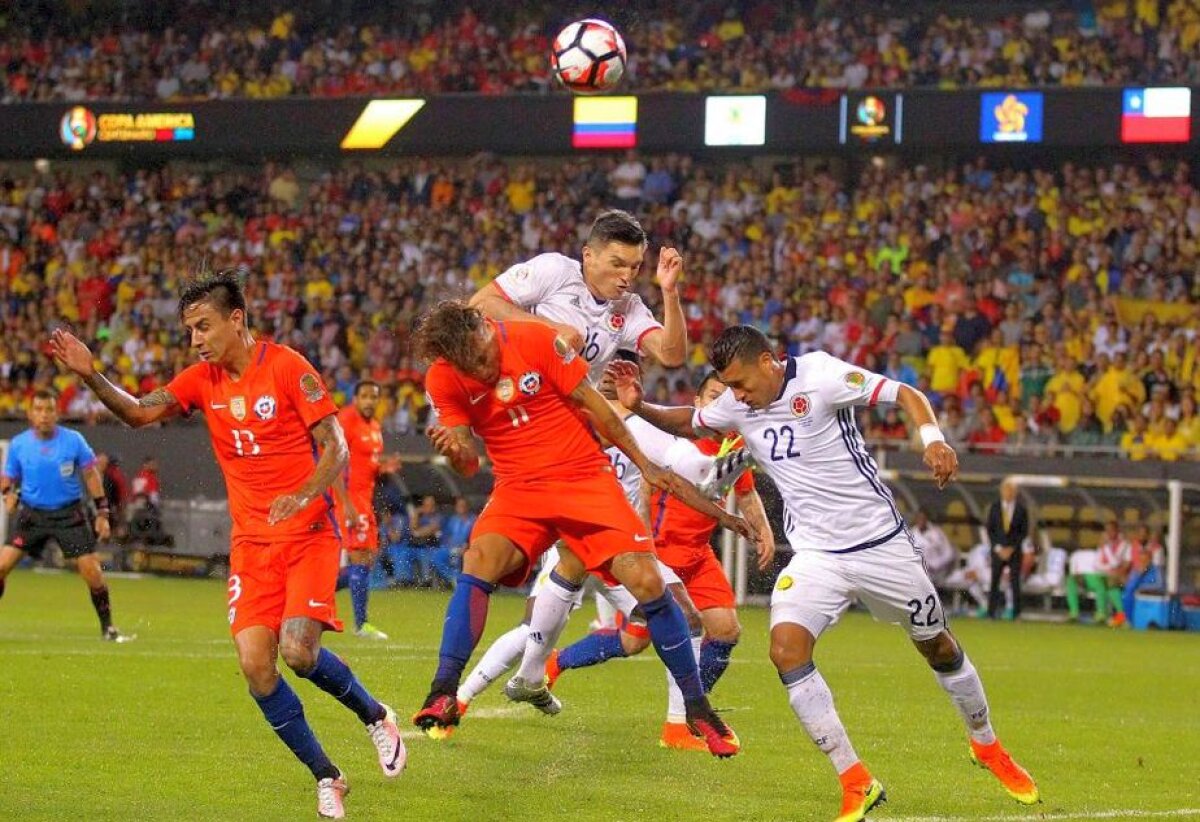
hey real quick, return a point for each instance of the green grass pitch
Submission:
(162, 728)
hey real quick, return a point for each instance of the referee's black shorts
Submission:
(69, 526)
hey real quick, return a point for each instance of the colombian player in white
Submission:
(590, 302)
(850, 542)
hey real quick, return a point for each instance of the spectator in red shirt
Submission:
(145, 482)
(988, 434)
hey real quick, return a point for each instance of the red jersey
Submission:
(531, 430)
(259, 426)
(365, 440)
(678, 526)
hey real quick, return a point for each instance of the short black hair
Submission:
(711, 376)
(221, 289)
(616, 226)
(46, 393)
(629, 356)
(738, 342)
(365, 384)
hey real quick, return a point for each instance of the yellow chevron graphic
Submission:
(379, 122)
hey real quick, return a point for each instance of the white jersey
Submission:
(808, 443)
(552, 286)
(661, 449)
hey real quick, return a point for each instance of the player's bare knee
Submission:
(791, 647)
(722, 625)
(943, 649)
(299, 655)
(259, 670)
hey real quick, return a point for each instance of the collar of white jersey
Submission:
(789, 374)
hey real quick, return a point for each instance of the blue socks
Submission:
(359, 581)
(335, 678)
(672, 639)
(714, 659)
(465, 617)
(596, 647)
(286, 717)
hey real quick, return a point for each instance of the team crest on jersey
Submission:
(616, 322)
(310, 387)
(530, 382)
(856, 380)
(264, 407)
(564, 350)
(505, 390)
(237, 407)
(784, 583)
(801, 405)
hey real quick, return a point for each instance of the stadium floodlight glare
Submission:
(379, 123)
(739, 120)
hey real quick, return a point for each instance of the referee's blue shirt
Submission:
(48, 470)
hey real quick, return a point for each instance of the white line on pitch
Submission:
(1047, 817)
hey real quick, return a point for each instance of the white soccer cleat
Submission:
(539, 696)
(369, 631)
(385, 734)
(111, 634)
(330, 793)
(726, 469)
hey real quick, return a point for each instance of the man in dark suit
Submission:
(1007, 527)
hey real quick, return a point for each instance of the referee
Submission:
(41, 484)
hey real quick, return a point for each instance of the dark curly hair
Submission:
(446, 332)
(220, 289)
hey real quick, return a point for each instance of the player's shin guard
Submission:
(465, 617)
(812, 702)
(103, 607)
(714, 659)
(285, 714)
(359, 582)
(960, 680)
(502, 655)
(550, 611)
(670, 635)
(335, 678)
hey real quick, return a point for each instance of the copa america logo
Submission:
(77, 128)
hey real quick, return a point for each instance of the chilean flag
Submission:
(1156, 115)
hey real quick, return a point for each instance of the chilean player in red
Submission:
(523, 390)
(355, 493)
(268, 414)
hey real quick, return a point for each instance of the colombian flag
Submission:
(1156, 115)
(605, 122)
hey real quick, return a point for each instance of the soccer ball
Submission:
(588, 57)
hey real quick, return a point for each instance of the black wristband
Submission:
(101, 504)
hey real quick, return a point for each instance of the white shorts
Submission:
(817, 587)
(1084, 562)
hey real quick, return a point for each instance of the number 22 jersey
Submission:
(259, 425)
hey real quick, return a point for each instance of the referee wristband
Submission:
(930, 434)
(101, 504)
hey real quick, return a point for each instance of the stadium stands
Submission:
(211, 50)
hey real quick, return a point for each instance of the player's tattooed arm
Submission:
(494, 304)
(156, 406)
(331, 441)
(458, 446)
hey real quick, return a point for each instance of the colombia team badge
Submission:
(801, 405)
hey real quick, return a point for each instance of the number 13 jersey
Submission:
(259, 425)
(808, 443)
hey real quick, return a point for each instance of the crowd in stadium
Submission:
(207, 50)
(1033, 307)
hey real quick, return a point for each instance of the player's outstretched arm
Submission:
(156, 406)
(335, 454)
(939, 457)
(669, 346)
(613, 429)
(492, 302)
(458, 446)
(676, 420)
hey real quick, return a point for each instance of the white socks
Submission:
(676, 712)
(550, 611)
(812, 702)
(966, 692)
(499, 657)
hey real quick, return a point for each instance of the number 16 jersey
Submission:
(259, 425)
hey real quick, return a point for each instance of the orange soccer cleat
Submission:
(676, 735)
(719, 738)
(860, 793)
(552, 670)
(1015, 779)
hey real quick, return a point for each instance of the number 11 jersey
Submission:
(259, 425)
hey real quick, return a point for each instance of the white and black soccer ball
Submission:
(588, 57)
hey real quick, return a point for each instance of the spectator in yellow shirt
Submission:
(946, 362)
(1134, 444)
(1171, 445)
